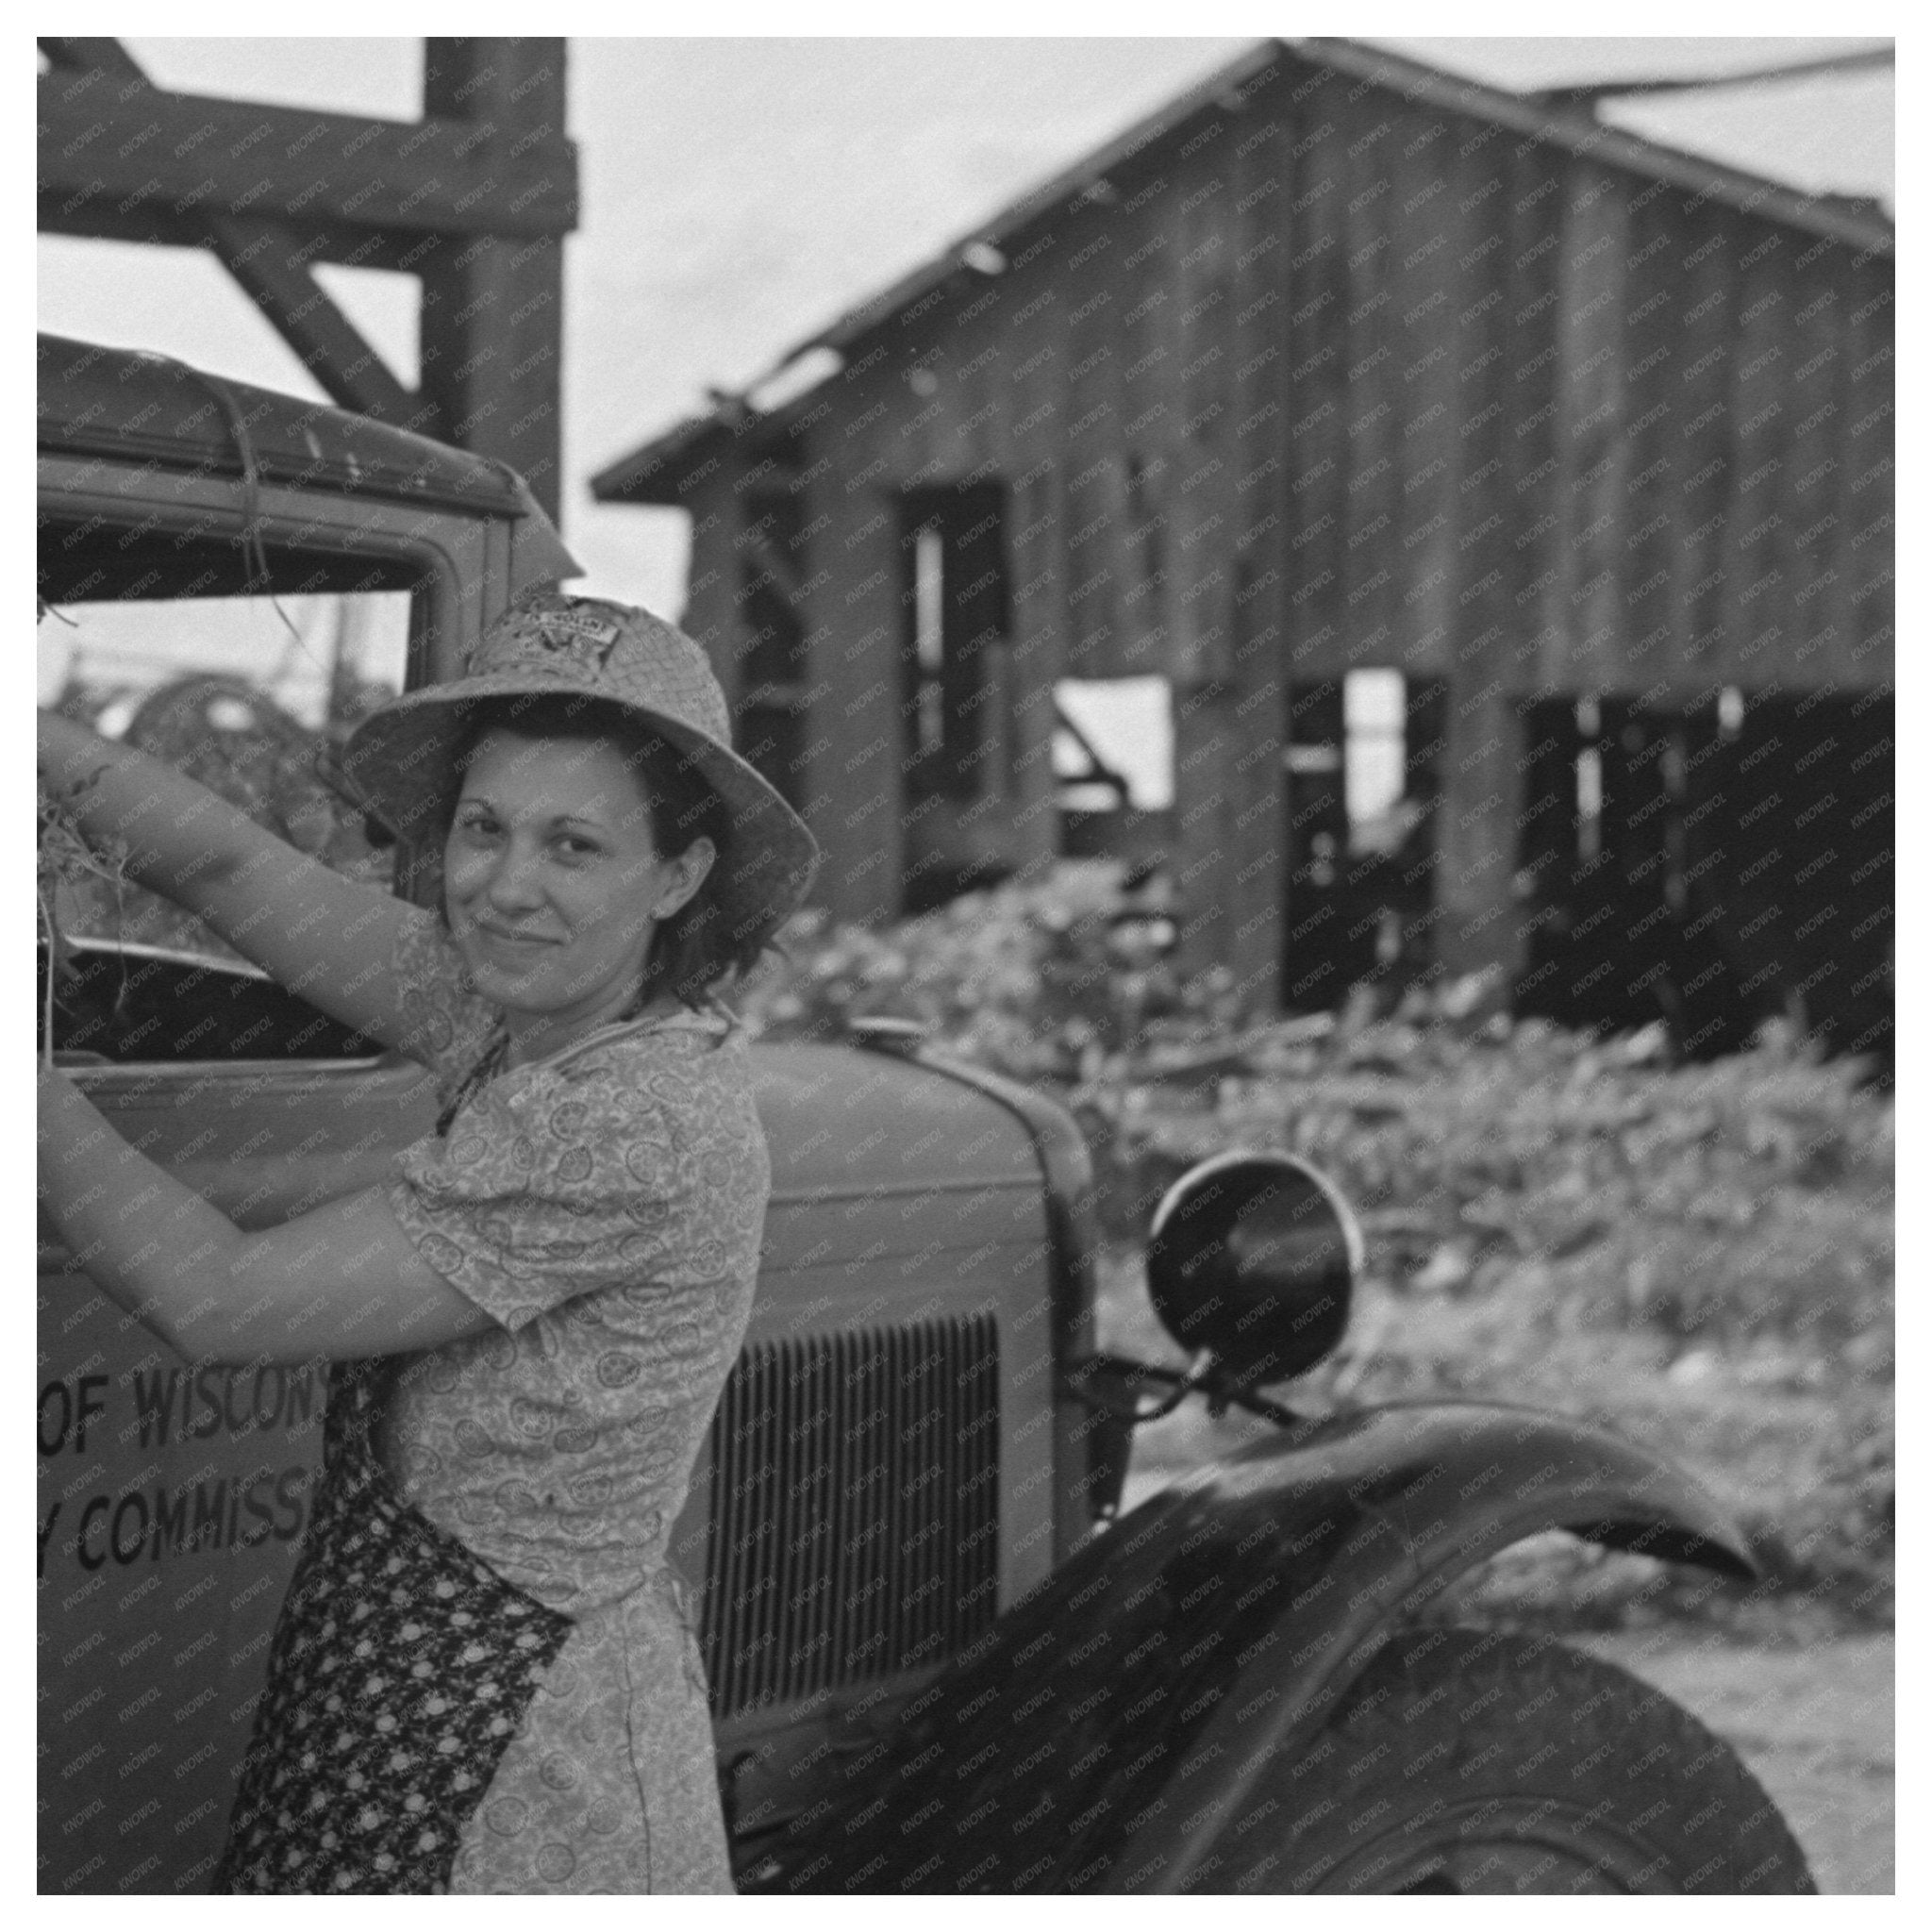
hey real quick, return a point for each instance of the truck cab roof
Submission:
(142, 408)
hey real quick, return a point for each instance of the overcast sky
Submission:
(738, 192)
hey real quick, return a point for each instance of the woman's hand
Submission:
(344, 1280)
(319, 934)
(68, 751)
(179, 837)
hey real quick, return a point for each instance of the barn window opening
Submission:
(1113, 743)
(1589, 781)
(1347, 752)
(1373, 740)
(929, 637)
(957, 608)
(1359, 757)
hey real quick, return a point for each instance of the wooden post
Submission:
(492, 327)
(1259, 454)
(855, 789)
(1477, 923)
(713, 609)
(1034, 662)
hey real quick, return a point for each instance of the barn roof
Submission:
(1699, 123)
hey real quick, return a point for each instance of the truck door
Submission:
(172, 1494)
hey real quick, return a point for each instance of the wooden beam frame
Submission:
(266, 259)
(270, 191)
(109, 142)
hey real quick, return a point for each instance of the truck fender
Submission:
(1116, 1720)
(1398, 1502)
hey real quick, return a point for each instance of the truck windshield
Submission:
(249, 694)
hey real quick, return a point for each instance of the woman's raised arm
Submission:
(341, 1280)
(319, 934)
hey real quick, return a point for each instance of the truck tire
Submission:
(1471, 1762)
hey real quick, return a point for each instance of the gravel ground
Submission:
(1813, 1719)
(1813, 1722)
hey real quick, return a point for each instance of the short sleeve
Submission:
(447, 1028)
(640, 1168)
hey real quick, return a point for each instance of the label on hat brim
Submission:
(583, 637)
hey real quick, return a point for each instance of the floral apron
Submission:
(400, 1668)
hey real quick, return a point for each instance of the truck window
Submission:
(249, 694)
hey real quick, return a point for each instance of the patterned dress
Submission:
(495, 1517)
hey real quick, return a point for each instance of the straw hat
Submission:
(401, 759)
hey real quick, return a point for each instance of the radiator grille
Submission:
(855, 1508)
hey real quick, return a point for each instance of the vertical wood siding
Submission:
(1326, 377)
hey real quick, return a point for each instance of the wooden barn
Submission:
(1503, 503)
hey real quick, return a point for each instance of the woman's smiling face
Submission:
(554, 884)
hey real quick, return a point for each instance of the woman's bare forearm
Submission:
(320, 934)
(342, 1281)
(152, 1246)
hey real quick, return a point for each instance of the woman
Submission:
(483, 1679)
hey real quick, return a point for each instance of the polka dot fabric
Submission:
(401, 1670)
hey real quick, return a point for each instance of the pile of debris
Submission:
(1701, 1254)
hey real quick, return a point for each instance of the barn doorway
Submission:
(955, 604)
(1361, 787)
(1711, 867)
(954, 704)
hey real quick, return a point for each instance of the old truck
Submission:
(940, 1655)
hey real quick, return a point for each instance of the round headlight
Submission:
(1253, 1257)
